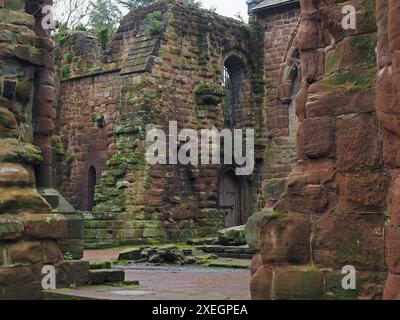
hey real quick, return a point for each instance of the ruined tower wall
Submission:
(28, 231)
(332, 212)
(170, 70)
(88, 112)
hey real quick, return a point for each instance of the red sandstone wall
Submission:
(28, 230)
(387, 103)
(281, 63)
(87, 113)
(332, 212)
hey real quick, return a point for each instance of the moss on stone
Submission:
(58, 145)
(69, 159)
(350, 81)
(68, 57)
(13, 150)
(156, 25)
(365, 45)
(65, 71)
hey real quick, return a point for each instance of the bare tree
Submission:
(72, 13)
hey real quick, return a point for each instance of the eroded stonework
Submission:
(332, 212)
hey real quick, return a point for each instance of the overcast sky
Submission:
(228, 8)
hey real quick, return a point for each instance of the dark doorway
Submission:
(230, 198)
(91, 187)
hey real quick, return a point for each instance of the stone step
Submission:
(243, 252)
(102, 276)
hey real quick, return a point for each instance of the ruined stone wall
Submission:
(387, 104)
(87, 116)
(166, 71)
(332, 212)
(281, 65)
(28, 231)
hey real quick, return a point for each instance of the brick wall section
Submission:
(87, 113)
(280, 30)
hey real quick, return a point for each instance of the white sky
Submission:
(228, 8)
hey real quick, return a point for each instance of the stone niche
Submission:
(332, 211)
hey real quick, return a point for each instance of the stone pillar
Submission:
(28, 231)
(332, 212)
(388, 110)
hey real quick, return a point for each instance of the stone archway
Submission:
(230, 198)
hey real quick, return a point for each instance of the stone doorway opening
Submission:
(230, 198)
(91, 188)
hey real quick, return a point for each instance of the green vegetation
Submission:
(68, 57)
(365, 45)
(69, 159)
(68, 256)
(65, 70)
(355, 80)
(62, 38)
(156, 24)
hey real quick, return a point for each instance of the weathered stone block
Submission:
(17, 200)
(256, 264)
(302, 283)
(362, 192)
(72, 272)
(252, 229)
(11, 227)
(285, 238)
(32, 252)
(352, 132)
(393, 248)
(369, 286)
(106, 276)
(16, 151)
(74, 247)
(261, 284)
(18, 283)
(133, 255)
(45, 226)
(12, 174)
(350, 239)
(392, 288)
(318, 137)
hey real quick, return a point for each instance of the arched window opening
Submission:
(91, 187)
(233, 84)
(293, 121)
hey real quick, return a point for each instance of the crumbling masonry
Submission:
(323, 102)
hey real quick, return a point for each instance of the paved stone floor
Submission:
(168, 282)
(172, 283)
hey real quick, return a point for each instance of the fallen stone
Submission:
(156, 258)
(106, 276)
(72, 273)
(134, 255)
(100, 265)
